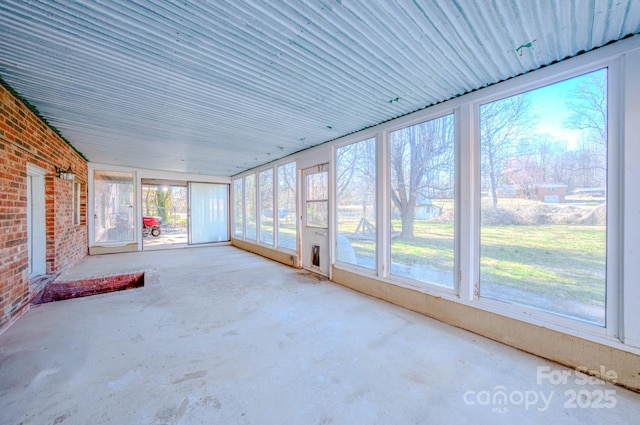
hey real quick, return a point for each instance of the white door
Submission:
(315, 219)
(36, 229)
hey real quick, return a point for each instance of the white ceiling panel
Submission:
(217, 87)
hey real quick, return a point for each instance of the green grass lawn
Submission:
(567, 261)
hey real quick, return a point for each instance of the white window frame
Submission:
(276, 199)
(610, 329)
(255, 202)
(362, 137)
(241, 193)
(428, 115)
(259, 206)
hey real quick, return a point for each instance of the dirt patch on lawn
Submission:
(540, 214)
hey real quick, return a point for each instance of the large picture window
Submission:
(265, 180)
(356, 196)
(238, 215)
(544, 198)
(286, 197)
(422, 166)
(250, 207)
(113, 206)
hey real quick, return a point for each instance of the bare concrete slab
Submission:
(227, 337)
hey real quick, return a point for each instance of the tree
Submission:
(346, 157)
(502, 123)
(287, 190)
(544, 151)
(164, 199)
(422, 162)
(356, 171)
(588, 103)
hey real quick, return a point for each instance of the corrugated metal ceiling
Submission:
(217, 87)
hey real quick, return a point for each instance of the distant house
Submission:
(552, 193)
(597, 192)
(425, 209)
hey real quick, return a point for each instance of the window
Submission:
(238, 216)
(317, 199)
(76, 203)
(356, 195)
(545, 247)
(287, 205)
(209, 212)
(250, 206)
(113, 206)
(265, 180)
(422, 170)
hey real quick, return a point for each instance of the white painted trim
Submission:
(37, 228)
(144, 173)
(614, 200)
(383, 209)
(244, 204)
(332, 206)
(466, 200)
(33, 169)
(274, 207)
(630, 253)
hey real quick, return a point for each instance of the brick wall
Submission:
(26, 139)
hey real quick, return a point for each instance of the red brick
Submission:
(27, 140)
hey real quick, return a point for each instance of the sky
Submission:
(549, 105)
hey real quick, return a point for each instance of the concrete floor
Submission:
(227, 337)
(171, 237)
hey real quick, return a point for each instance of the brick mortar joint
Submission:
(35, 154)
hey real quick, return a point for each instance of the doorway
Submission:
(36, 224)
(315, 219)
(164, 214)
(178, 213)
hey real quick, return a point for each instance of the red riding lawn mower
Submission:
(151, 226)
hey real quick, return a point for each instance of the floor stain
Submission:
(190, 376)
(181, 410)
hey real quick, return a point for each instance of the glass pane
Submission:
(422, 162)
(287, 206)
(544, 179)
(250, 206)
(113, 206)
(165, 211)
(266, 206)
(238, 217)
(209, 221)
(317, 214)
(318, 186)
(356, 194)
